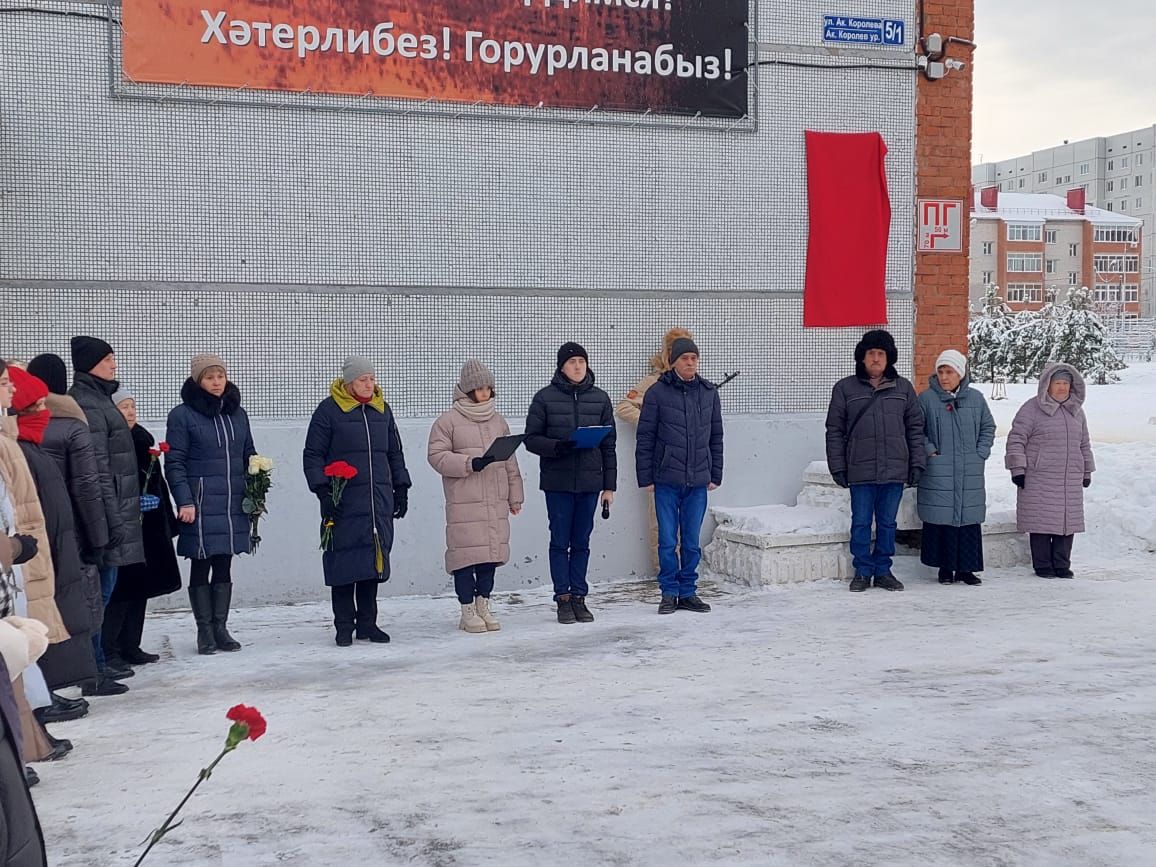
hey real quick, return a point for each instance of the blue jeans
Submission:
(881, 503)
(571, 523)
(107, 585)
(679, 510)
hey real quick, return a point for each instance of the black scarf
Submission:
(195, 397)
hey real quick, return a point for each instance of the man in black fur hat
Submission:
(875, 447)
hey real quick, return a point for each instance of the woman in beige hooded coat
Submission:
(481, 493)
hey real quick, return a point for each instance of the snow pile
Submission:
(778, 520)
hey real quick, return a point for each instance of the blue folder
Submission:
(590, 437)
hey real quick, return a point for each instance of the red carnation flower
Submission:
(249, 717)
(164, 447)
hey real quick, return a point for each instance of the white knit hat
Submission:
(954, 359)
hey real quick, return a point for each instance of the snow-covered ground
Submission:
(1007, 724)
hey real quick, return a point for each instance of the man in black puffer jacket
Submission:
(93, 385)
(875, 445)
(679, 454)
(574, 479)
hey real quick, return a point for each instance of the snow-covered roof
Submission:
(1041, 207)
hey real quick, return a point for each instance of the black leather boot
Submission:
(222, 598)
(202, 603)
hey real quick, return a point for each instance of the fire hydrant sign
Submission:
(856, 30)
(940, 225)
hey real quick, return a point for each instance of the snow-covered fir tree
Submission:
(1017, 346)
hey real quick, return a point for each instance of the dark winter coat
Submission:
(67, 662)
(960, 431)
(116, 460)
(68, 442)
(1049, 446)
(159, 573)
(680, 434)
(556, 412)
(366, 436)
(21, 839)
(887, 441)
(210, 444)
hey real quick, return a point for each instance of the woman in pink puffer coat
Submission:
(481, 493)
(1050, 458)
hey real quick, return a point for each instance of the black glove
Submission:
(564, 447)
(913, 477)
(1088, 482)
(94, 556)
(330, 510)
(481, 463)
(28, 549)
(400, 502)
(840, 478)
(1018, 480)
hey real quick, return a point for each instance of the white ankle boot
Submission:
(470, 621)
(482, 604)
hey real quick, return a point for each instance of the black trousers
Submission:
(221, 566)
(355, 604)
(1051, 552)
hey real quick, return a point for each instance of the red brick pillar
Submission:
(943, 170)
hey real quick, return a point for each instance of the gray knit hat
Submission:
(475, 375)
(355, 366)
(1062, 375)
(122, 394)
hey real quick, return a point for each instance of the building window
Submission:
(1059, 180)
(1111, 186)
(1073, 250)
(1140, 204)
(1111, 165)
(1109, 264)
(987, 247)
(1138, 181)
(987, 278)
(1107, 292)
(1123, 204)
(1050, 236)
(1124, 162)
(1043, 177)
(1131, 293)
(1085, 168)
(1017, 232)
(1115, 235)
(1021, 184)
(1051, 266)
(1073, 278)
(1025, 293)
(1123, 184)
(1025, 263)
(1067, 179)
(1139, 159)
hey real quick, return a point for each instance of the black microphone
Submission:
(605, 510)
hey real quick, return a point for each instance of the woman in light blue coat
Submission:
(952, 501)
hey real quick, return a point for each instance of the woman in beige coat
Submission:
(479, 497)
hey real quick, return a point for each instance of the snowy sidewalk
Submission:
(1007, 724)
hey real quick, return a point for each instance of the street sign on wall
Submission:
(940, 224)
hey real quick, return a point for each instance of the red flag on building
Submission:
(850, 218)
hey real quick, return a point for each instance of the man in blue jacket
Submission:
(679, 455)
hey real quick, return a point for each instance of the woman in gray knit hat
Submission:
(481, 493)
(356, 426)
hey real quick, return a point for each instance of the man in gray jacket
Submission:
(875, 447)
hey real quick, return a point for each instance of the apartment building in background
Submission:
(1117, 174)
(1035, 245)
